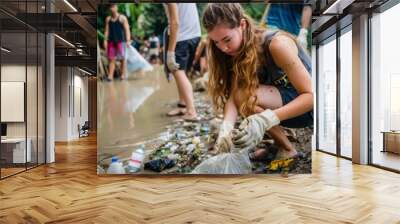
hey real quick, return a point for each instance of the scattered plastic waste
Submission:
(196, 140)
(135, 163)
(159, 165)
(173, 156)
(188, 147)
(282, 164)
(205, 129)
(115, 167)
(174, 148)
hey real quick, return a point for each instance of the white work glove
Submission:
(171, 63)
(251, 130)
(224, 141)
(302, 38)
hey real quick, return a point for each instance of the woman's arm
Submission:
(230, 110)
(285, 55)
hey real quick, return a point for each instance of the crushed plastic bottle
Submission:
(135, 163)
(115, 167)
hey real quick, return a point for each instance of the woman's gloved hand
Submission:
(251, 130)
(224, 141)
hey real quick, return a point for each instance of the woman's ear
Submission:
(243, 24)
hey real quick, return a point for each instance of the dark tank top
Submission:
(269, 73)
(116, 30)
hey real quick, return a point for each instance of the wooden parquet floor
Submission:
(69, 191)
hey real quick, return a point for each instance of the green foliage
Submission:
(155, 19)
(254, 10)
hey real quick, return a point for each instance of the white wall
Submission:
(33, 127)
(12, 73)
(71, 93)
(61, 103)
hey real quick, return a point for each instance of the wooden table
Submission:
(391, 141)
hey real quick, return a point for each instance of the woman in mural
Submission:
(265, 78)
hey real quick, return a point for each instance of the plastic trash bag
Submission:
(226, 163)
(135, 61)
(159, 165)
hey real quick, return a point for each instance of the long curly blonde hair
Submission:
(232, 73)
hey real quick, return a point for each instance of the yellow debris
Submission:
(279, 164)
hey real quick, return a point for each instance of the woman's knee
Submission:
(268, 97)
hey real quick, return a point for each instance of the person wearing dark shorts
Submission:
(184, 53)
(180, 41)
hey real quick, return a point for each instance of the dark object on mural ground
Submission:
(159, 165)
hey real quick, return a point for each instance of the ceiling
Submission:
(333, 15)
(20, 17)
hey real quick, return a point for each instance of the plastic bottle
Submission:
(135, 163)
(115, 167)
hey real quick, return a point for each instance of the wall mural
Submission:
(200, 88)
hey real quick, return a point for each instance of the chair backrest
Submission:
(86, 125)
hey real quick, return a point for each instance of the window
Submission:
(346, 95)
(327, 96)
(22, 72)
(385, 87)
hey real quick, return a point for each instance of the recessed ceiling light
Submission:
(338, 6)
(70, 5)
(5, 50)
(86, 72)
(65, 41)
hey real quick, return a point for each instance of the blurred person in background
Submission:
(117, 32)
(200, 59)
(292, 18)
(154, 50)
